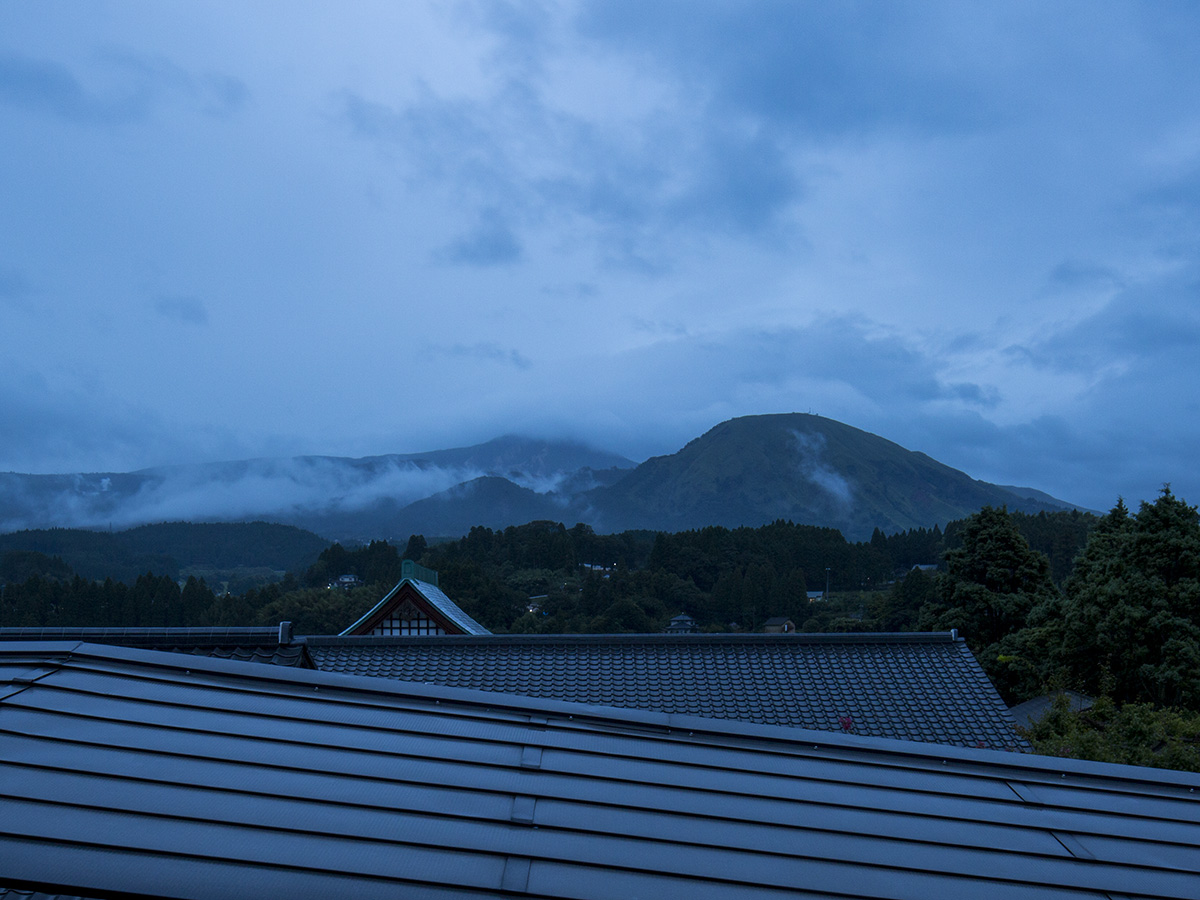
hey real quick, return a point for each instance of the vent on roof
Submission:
(409, 569)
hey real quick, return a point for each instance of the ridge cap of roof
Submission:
(203, 635)
(882, 637)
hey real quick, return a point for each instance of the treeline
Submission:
(1123, 628)
(540, 577)
(238, 554)
(53, 596)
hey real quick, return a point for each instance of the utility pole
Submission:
(827, 582)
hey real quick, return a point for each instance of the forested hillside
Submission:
(231, 556)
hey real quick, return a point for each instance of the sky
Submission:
(233, 230)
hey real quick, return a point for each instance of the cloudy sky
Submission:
(235, 229)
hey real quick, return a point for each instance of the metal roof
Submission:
(912, 686)
(129, 771)
(1032, 711)
(433, 595)
(273, 645)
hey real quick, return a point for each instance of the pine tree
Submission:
(1132, 607)
(991, 585)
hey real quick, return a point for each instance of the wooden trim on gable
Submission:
(406, 592)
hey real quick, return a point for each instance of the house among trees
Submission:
(416, 605)
(779, 625)
(346, 582)
(683, 624)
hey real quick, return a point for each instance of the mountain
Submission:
(490, 501)
(746, 471)
(811, 470)
(338, 497)
(1051, 502)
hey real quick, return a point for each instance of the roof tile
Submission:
(912, 687)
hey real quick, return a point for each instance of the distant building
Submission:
(779, 625)
(415, 606)
(346, 582)
(1031, 712)
(683, 624)
(813, 596)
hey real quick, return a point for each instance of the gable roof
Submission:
(426, 596)
(911, 686)
(274, 645)
(131, 771)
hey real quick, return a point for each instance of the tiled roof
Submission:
(130, 772)
(432, 595)
(248, 644)
(922, 687)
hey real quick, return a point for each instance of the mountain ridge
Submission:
(745, 471)
(805, 468)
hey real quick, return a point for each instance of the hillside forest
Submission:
(1107, 606)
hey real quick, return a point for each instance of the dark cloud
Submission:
(215, 94)
(1089, 457)
(1168, 214)
(1076, 274)
(491, 242)
(883, 368)
(50, 429)
(741, 184)
(976, 395)
(50, 87)
(183, 309)
(1128, 417)
(1154, 325)
(629, 193)
(661, 395)
(222, 95)
(821, 67)
(488, 352)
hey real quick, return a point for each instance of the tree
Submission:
(1136, 734)
(416, 547)
(901, 608)
(1132, 606)
(992, 583)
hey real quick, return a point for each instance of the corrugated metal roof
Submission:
(922, 687)
(272, 645)
(149, 773)
(434, 596)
